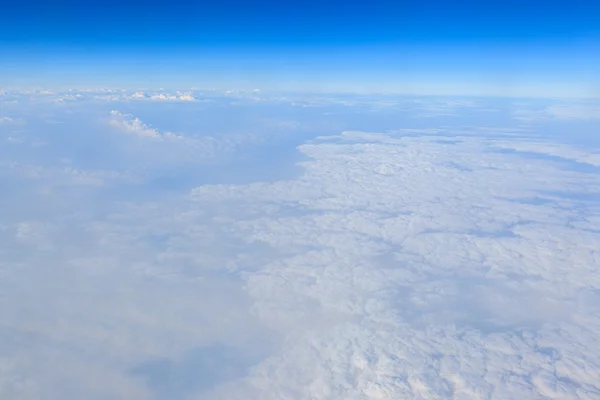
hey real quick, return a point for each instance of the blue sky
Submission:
(463, 47)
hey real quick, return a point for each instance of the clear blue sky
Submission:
(511, 47)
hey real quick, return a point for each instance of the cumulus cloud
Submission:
(162, 96)
(97, 94)
(186, 97)
(127, 123)
(138, 96)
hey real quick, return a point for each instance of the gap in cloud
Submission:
(580, 197)
(197, 370)
(561, 162)
(572, 132)
(488, 305)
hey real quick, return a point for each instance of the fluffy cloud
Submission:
(162, 96)
(169, 148)
(80, 95)
(418, 269)
(419, 263)
(127, 123)
(186, 97)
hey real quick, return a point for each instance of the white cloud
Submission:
(417, 263)
(138, 95)
(90, 95)
(129, 124)
(186, 97)
(436, 281)
(162, 96)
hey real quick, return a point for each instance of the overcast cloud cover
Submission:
(241, 245)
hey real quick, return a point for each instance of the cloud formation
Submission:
(420, 269)
(129, 124)
(162, 96)
(425, 262)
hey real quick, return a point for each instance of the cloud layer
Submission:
(427, 262)
(420, 268)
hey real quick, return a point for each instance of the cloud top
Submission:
(439, 260)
